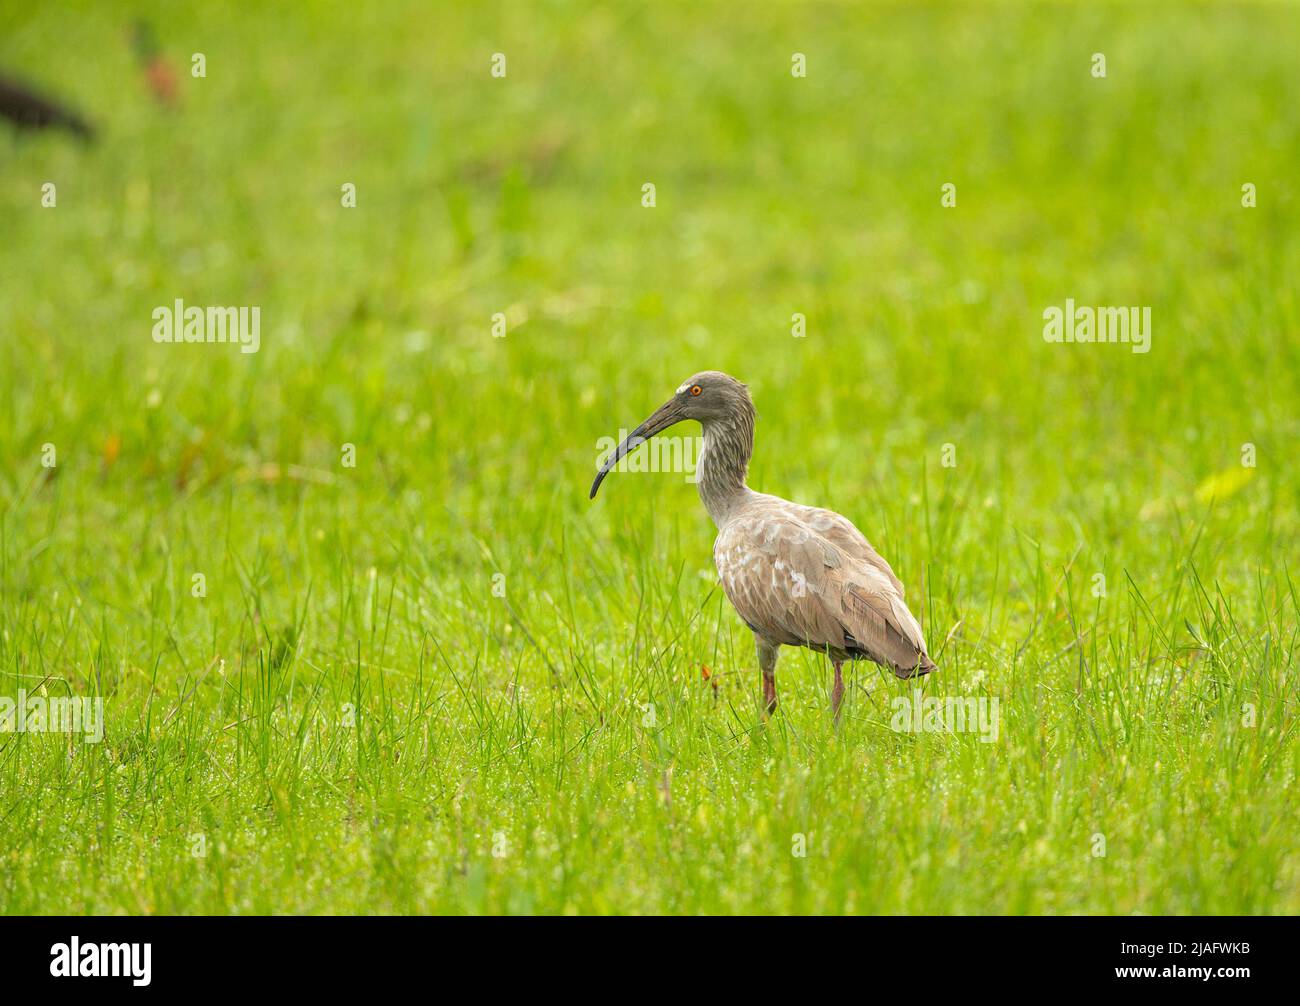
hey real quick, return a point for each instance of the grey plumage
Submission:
(798, 575)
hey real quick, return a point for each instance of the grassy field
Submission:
(442, 680)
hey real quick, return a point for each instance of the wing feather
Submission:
(841, 532)
(796, 584)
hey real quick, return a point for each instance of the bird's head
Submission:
(707, 397)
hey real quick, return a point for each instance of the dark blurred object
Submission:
(28, 110)
(158, 73)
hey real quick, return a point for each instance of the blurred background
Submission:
(478, 195)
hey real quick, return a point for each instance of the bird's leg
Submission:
(767, 653)
(837, 693)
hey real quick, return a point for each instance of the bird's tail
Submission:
(924, 665)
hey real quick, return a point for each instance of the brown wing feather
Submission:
(794, 585)
(892, 637)
(841, 532)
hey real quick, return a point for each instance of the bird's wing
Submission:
(883, 629)
(793, 585)
(841, 532)
(775, 572)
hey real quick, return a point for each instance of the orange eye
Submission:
(696, 390)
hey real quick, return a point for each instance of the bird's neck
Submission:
(723, 464)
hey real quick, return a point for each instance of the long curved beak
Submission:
(668, 414)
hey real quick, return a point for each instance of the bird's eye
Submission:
(696, 390)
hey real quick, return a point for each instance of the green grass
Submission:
(352, 718)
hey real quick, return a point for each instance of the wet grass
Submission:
(441, 680)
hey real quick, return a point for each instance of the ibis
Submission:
(797, 575)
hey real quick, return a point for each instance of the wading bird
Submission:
(797, 575)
